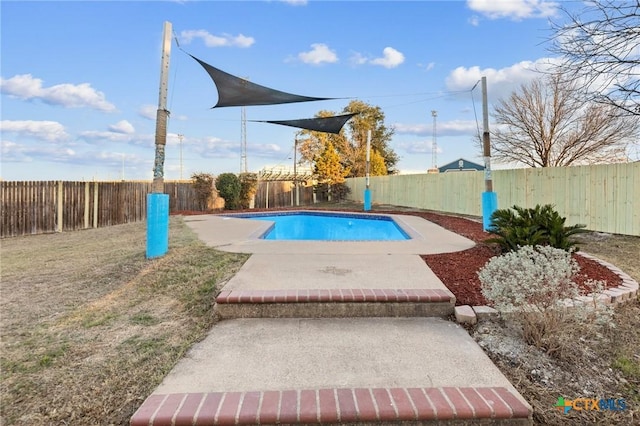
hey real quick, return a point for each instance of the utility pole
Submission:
(157, 200)
(180, 137)
(162, 114)
(486, 143)
(489, 198)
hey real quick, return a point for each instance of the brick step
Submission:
(415, 406)
(334, 303)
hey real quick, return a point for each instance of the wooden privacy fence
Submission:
(56, 206)
(606, 198)
(277, 194)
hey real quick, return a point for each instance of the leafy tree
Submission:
(352, 141)
(328, 166)
(229, 188)
(369, 118)
(600, 47)
(546, 124)
(248, 188)
(203, 185)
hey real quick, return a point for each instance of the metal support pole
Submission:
(486, 143)
(295, 171)
(489, 198)
(367, 191)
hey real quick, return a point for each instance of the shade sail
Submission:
(319, 124)
(236, 91)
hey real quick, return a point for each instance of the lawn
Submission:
(90, 327)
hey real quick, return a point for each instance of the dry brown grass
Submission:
(90, 327)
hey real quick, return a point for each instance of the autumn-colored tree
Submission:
(328, 167)
(352, 141)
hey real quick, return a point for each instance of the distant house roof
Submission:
(461, 165)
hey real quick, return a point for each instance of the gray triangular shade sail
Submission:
(319, 124)
(236, 91)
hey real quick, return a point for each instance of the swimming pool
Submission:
(318, 226)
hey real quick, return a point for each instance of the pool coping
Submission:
(406, 233)
(242, 235)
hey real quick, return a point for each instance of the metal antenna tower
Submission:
(243, 142)
(434, 144)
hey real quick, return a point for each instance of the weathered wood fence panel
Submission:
(56, 206)
(278, 194)
(606, 198)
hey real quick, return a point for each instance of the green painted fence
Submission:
(606, 198)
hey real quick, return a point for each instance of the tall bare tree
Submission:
(600, 47)
(547, 124)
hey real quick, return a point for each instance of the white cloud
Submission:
(358, 59)
(122, 126)
(210, 40)
(25, 86)
(213, 147)
(319, 53)
(23, 153)
(295, 2)
(46, 130)
(428, 67)
(97, 137)
(391, 58)
(513, 9)
(474, 20)
(501, 82)
(148, 111)
(268, 150)
(444, 128)
(419, 147)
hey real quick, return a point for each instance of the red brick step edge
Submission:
(329, 406)
(335, 295)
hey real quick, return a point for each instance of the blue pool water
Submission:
(330, 227)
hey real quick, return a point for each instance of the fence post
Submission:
(95, 204)
(60, 207)
(86, 205)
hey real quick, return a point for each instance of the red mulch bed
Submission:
(458, 271)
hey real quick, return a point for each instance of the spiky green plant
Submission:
(541, 225)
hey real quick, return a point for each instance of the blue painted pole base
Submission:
(367, 200)
(157, 225)
(489, 205)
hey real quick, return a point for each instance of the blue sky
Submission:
(79, 80)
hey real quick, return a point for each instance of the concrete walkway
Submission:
(333, 333)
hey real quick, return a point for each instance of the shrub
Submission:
(228, 185)
(340, 191)
(532, 287)
(203, 185)
(541, 225)
(248, 188)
